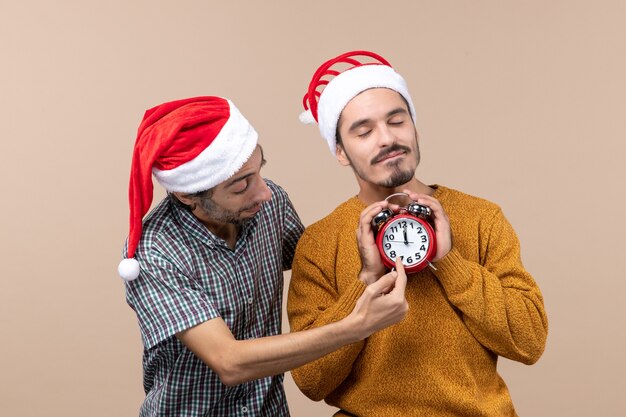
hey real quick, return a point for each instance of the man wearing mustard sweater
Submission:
(476, 303)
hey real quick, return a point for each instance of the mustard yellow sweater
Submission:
(440, 360)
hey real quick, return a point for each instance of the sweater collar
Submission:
(439, 193)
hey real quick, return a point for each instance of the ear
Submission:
(183, 198)
(341, 156)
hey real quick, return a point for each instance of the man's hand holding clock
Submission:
(440, 221)
(372, 267)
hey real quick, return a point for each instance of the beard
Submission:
(222, 215)
(397, 178)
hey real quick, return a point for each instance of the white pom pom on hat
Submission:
(339, 80)
(306, 117)
(189, 145)
(128, 269)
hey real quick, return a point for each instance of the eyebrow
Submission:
(361, 122)
(244, 176)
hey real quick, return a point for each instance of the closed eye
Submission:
(397, 120)
(244, 183)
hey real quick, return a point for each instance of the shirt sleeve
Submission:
(501, 304)
(165, 300)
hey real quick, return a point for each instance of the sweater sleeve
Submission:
(314, 301)
(500, 302)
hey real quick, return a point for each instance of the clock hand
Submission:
(399, 241)
(405, 237)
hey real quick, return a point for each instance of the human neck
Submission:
(371, 193)
(224, 230)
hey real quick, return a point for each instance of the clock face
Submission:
(409, 238)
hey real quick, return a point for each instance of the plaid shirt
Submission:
(189, 276)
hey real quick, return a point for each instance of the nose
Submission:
(386, 136)
(262, 193)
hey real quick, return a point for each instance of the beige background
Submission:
(522, 103)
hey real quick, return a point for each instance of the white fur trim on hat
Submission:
(347, 85)
(228, 152)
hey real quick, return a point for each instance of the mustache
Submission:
(393, 148)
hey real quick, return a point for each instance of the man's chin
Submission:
(240, 221)
(397, 179)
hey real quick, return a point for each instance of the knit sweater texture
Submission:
(440, 360)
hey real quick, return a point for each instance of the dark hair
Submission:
(200, 194)
(338, 136)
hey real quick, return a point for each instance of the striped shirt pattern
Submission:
(189, 276)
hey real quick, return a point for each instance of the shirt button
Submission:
(244, 409)
(250, 300)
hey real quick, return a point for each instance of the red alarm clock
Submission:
(405, 233)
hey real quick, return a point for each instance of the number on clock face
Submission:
(406, 238)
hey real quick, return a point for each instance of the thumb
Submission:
(384, 284)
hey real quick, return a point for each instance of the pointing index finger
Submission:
(401, 279)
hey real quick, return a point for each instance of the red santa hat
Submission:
(189, 145)
(339, 80)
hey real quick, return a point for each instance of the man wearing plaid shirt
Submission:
(204, 269)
